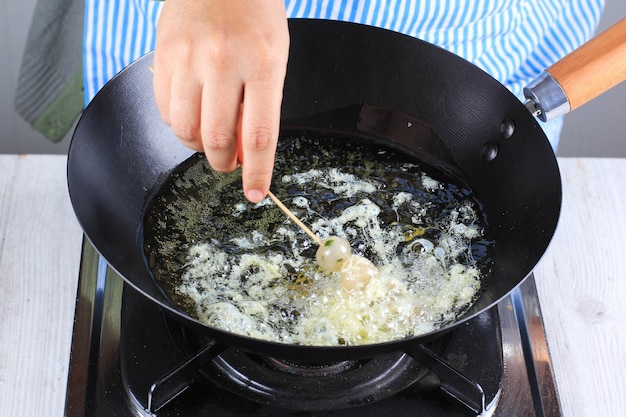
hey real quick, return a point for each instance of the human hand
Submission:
(219, 71)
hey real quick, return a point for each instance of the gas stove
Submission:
(130, 359)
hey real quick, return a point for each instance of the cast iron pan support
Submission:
(452, 382)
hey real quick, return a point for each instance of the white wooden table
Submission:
(581, 282)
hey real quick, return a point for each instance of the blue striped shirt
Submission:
(513, 40)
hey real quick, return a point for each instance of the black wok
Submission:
(342, 78)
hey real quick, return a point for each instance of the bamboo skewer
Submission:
(294, 218)
(358, 271)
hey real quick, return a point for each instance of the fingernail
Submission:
(255, 195)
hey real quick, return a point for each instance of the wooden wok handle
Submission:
(584, 74)
(594, 68)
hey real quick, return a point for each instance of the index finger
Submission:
(260, 124)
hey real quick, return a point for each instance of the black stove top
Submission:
(129, 359)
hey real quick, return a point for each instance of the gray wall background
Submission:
(596, 129)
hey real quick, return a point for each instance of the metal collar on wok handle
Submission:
(584, 74)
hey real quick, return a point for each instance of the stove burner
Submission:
(301, 385)
(332, 387)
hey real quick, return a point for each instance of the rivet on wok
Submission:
(489, 151)
(507, 128)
